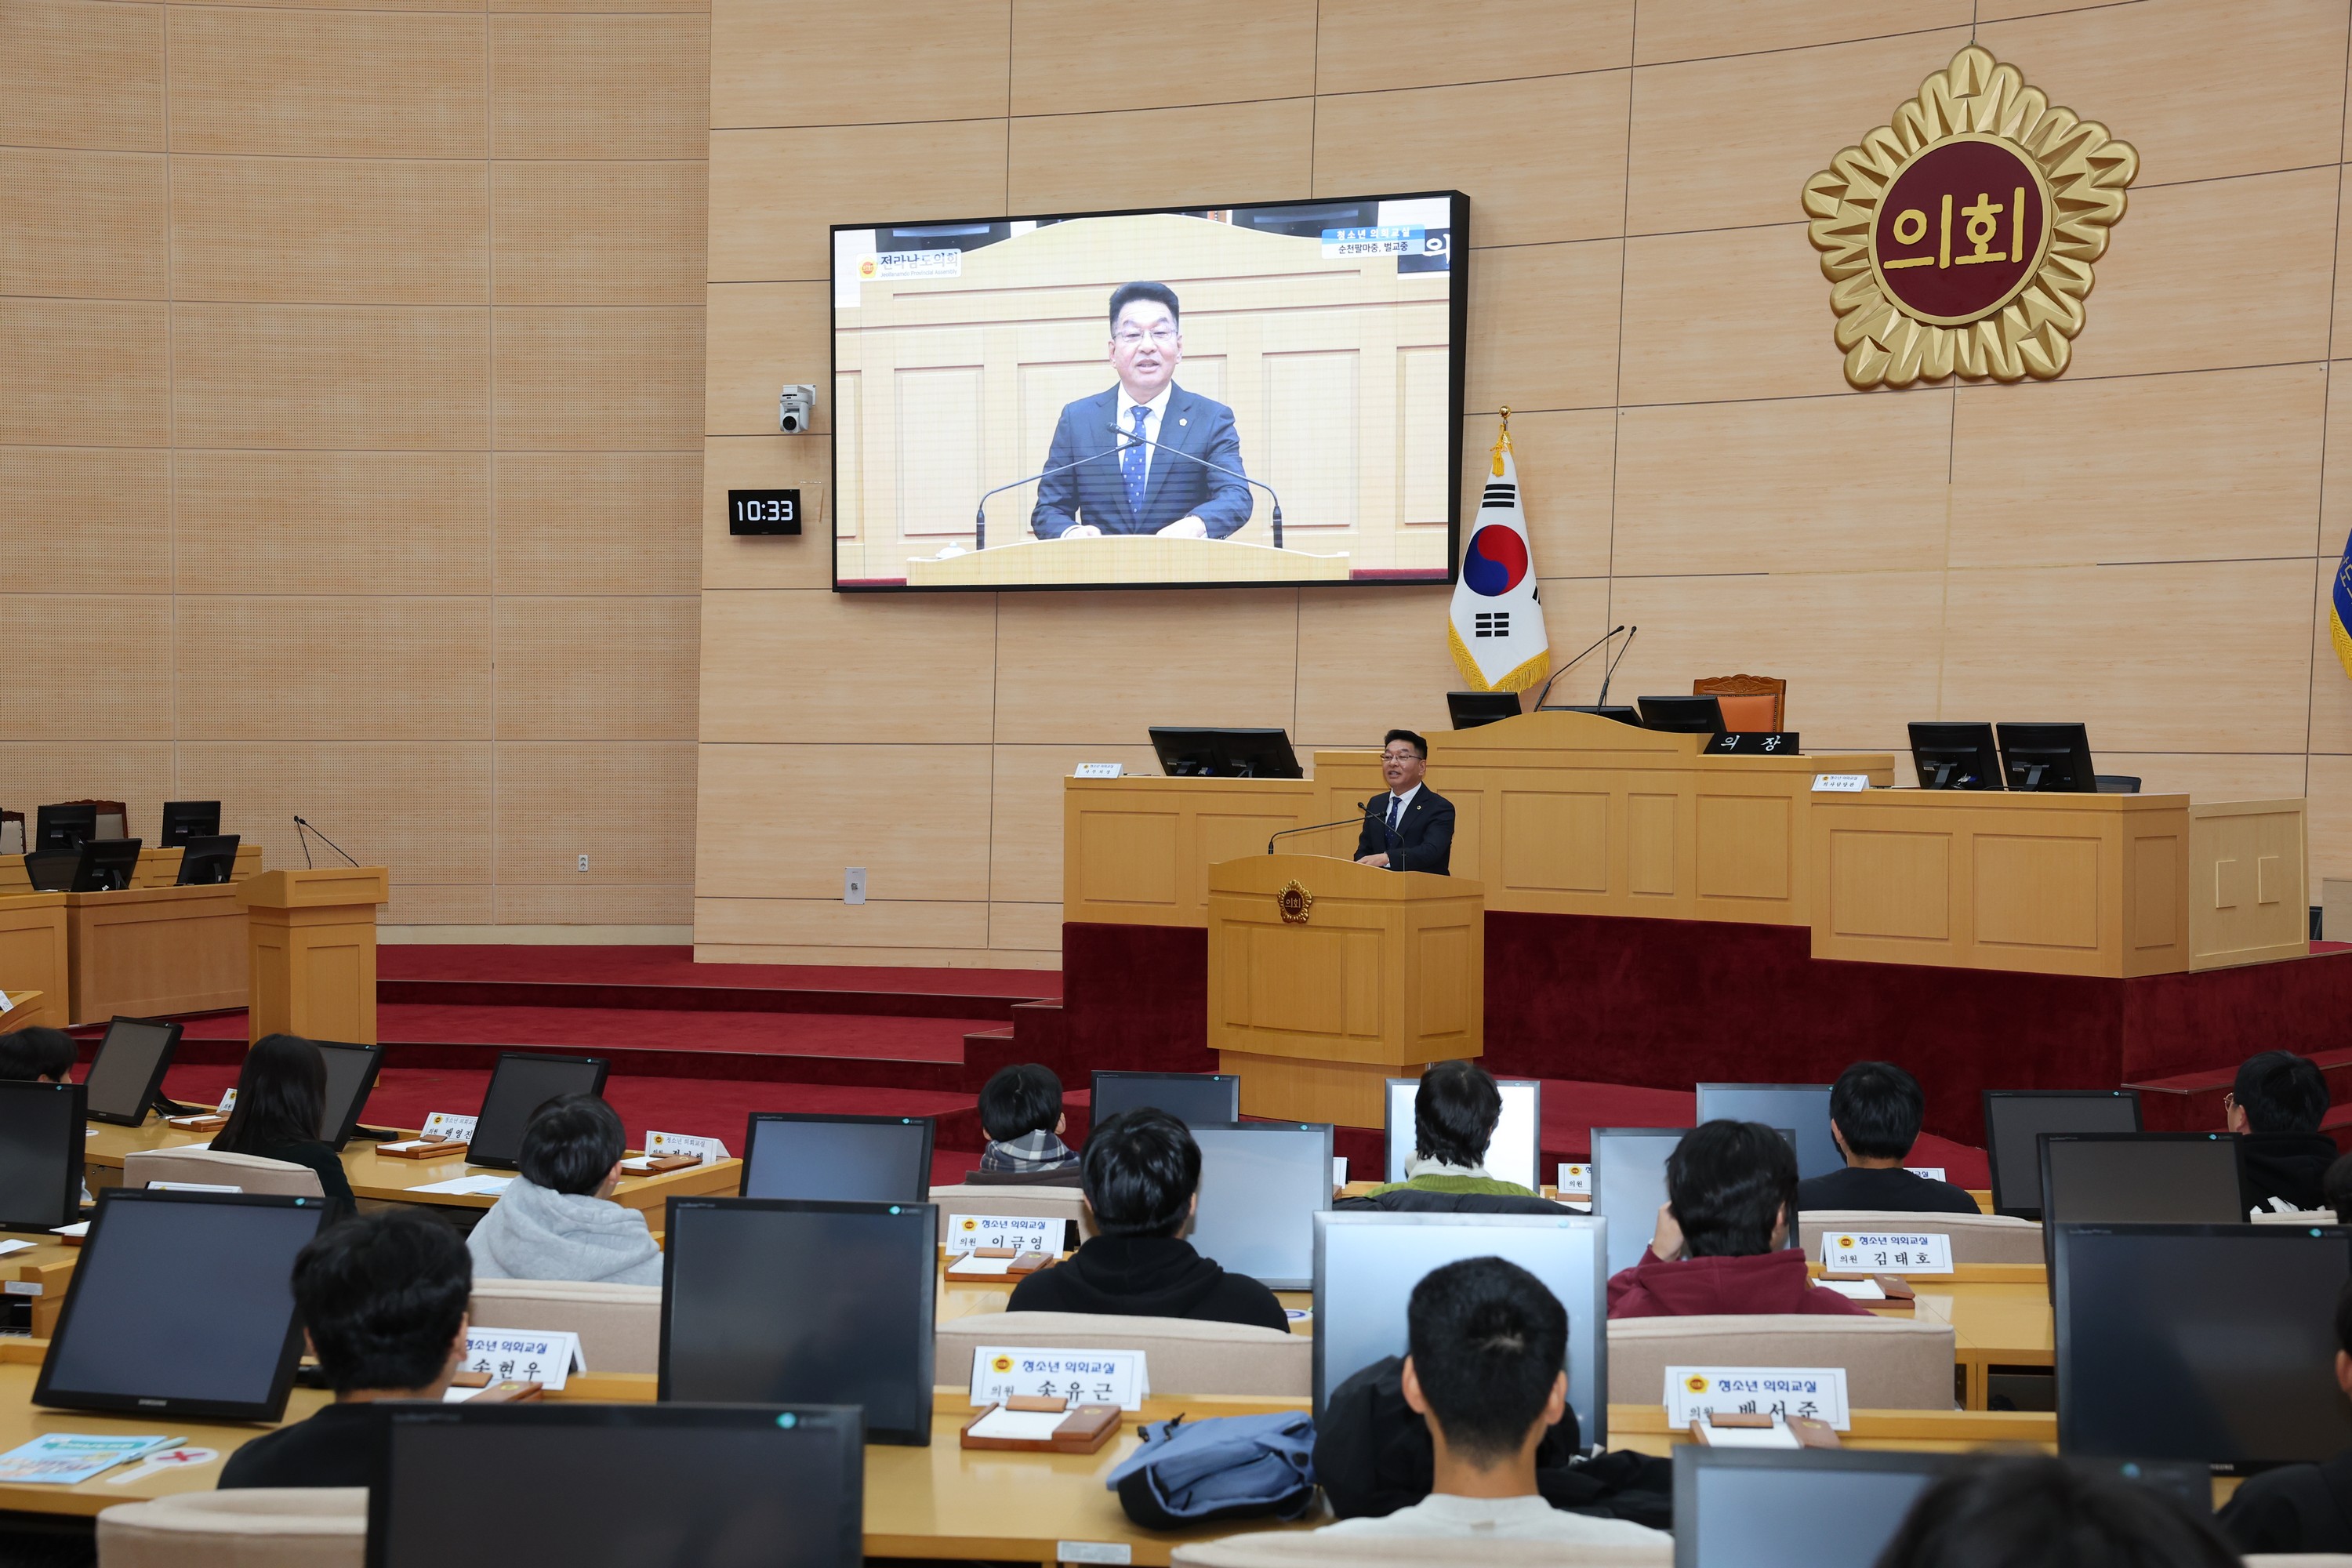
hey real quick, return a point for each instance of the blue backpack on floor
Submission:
(1230, 1466)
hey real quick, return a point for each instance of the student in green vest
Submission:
(1454, 1115)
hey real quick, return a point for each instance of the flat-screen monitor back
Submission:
(1194, 1099)
(208, 861)
(779, 1302)
(1367, 1263)
(52, 871)
(186, 819)
(1262, 1185)
(182, 1304)
(2014, 1120)
(838, 1159)
(1224, 753)
(519, 1085)
(1514, 1154)
(2141, 1178)
(1760, 1508)
(106, 866)
(65, 826)
(2047, 757)
(127, 1073)
(1802, 1109)
(41, 1144)
(1954, 756)
(1682, 715)
(351, 1078)
(737, 1486)
(2209, 1343)
(1629, 1183)
(1469, 709)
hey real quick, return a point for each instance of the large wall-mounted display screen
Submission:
(1221, 396)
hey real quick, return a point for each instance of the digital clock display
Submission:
(764, 511)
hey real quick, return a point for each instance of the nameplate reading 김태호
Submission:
(1000, 1373)
(1783, 1391)
(1754, 743)
(1885, 1252)
(1841, 783)
(525, 1355)
(967, 1232)
(764, 511)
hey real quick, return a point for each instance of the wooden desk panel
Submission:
(1137, 851)
(146, 952)
(34, 956)
(158, 868)
(2248, 898)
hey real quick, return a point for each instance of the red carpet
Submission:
(676, 966)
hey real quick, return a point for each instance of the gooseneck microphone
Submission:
(302, 828)
(1571, 664)
(1220, 468)
(1362, 812)
(980, 516)
(1610, 674)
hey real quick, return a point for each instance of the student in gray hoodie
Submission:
(559, 1222)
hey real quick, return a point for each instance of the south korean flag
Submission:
(1497, 631)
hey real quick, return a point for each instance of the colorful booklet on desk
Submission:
(67, 1459)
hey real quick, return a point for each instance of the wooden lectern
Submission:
(1327, 977)
(312, 936)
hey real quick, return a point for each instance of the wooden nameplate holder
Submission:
(1900, 1297)
(659, 1165)
(204, 1122)
(1023, 1263)
(1084, 1430)
(424, 1148)
(511, 1390)
(1810, 1431)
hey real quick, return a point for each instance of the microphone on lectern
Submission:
(1220, 468)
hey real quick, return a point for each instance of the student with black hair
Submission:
(1141, 1174)
(1875, 1108)
(2036, 1511)
(36, 1054)
(1021, 1111)
(282, 1098)
(381, 1300)
(1484, 1371)
(1722, 1240)
(2300, 1508)
(2335, 1187)
(558, 1220)
(2276, 1106)
(1454, 1115)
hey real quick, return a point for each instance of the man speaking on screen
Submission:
(1145, 457)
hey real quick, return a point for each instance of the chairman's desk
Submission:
(151, 950)
(1571, 813)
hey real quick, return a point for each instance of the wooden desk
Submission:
(1019, 559)
(149, 951)
(2248, 893)
(159, 864)
(1137, 851)
(42, 1274)
(34, 956)
(972, 1298)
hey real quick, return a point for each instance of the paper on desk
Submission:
(1022, 1425)
(468, 1186)
(1855, 1289)
(78, 1227)
(968, 1268)
(1776, 1436)
(67, 1459)
(405, 1144)
(8, 1246)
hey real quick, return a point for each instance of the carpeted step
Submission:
(691, 999)
(2191, 1102)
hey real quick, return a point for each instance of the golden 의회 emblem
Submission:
(1295, 902)
(1959, 237)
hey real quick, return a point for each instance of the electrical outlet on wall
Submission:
(853, 885)
(583, 862)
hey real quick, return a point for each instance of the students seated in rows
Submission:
(2301, 1508)
(36, 1054)
(1487, 1343)
(381, 1300)
(2036, 1511)
(1141, 1174)
(1722, 1241)
(1875, 1108)
(1454, 1115)
(2277, 1104)
(1021, 1111)
(282, 1098)
(558, 1220)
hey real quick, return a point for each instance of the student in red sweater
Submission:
(1722, 1241)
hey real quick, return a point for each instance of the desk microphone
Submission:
(1611, 673)
(1220, 468)
(1571, 664)
(980, 518)
(302, 829)
(1362, 812)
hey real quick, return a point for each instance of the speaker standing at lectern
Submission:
(1410, 828)
(1144, 457)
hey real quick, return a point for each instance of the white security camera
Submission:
(795, 409)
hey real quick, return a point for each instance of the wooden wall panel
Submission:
(600, 86)
(1025, 819)
(85, 666)
(88, 224)
(1547, 316)
(1080, 57)
(752, 330)
(329, 231)
(609, 801)
(765, 462)
(331, 376)
(314, 522)
(1230, 153)
(599, 233)
(1690, 29)
(327, 84)
(134, 771)
(81, 73)
(914, 817)
(85, 520)
(601, 522)
(1726, 313)
(808, 667)
(780, 62)
(1373, 46)
(786, 187)
(1053, 652)
(83, 372)
(421, 809)
(603, 668)
(609, 379)
(335, 668)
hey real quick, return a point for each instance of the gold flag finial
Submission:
(1502, 441)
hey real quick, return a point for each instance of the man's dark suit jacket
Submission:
(1426, 833)
(1094, 493)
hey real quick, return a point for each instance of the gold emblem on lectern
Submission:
(1961, 235)
(1295, 902)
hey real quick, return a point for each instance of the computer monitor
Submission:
(351, 1078)
(2140, 1178)
(1367, 1263)
(2014, 1120)
(1956, 756)
(1187, 753)
(1194, 1099)
(2047, 757)
(186, 819)
(739, 1486)
(1682, 715)
(520, 1083)
(786, 1301)
(41, 1144)
(1802, 1109)
(1514, 1154)
(1629, 1183)
(65, 826)
(208, 861)
(106, 866)
(1262, 1185)
(127, 1073)
(2205, 1343)
(840, 1159)
(1763, 1507)
(52, 871)
(182, 1304)
(1468, 709)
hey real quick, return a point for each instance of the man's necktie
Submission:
(1396, 811)
(1131, 462)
